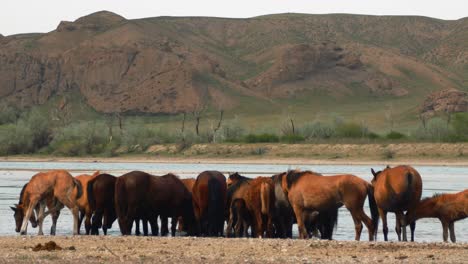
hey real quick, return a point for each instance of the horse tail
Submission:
(79, 188)
(215, 205)
(373, 209)
(91, 200)
(265, 198)
(121, 204)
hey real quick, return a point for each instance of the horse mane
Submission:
(22, 194)
(277, 178)
(435, 195)
(293, 176)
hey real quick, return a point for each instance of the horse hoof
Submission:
(23, 233)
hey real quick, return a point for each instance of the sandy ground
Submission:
(437, 154)
(85, 249)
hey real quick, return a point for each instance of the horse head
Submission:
(233, 178)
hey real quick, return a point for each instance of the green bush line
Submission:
(34, 132)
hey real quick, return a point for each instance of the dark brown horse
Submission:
(209, 200)
(53, 207)
(101, 201)
(57, 183)
(447, 207)
(397, 190)
(237, 187)
(141, 195)
(259, 201)
(308, 192)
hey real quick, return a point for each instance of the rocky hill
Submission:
(173, 65)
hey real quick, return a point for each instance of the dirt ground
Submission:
(86, 249)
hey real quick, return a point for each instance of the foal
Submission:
(57, 183)
(448, 208)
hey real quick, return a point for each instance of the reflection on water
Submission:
(436, 179)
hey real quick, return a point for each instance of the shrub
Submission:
(389, 154)
(317, 130)
(232, 131)
(80, 139)
(292, 138)
(395, 135)
(351, 130)
(373, 135)
(460, 125)
(261, 138)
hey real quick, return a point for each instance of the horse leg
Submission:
(88, 221)
(81, 215)
(29, 211)
(383, 215)
(164, 226)
(452, 231)
(368, 223)
(75, 212)
(402, 221)
(412, 228)
(358, 226)
(137, 227)
(40, 217)
(145, 226)
(173, 226)
(398, 225)
(445, 226)
(97, 221)
(300, 222)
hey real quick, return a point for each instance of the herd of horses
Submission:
(265, 206)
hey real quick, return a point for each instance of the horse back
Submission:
(398, 188)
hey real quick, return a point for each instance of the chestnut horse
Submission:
(85, 209)
(308, 192)
(141, 195)
(188, 183)
(209, 200)
(397, 190)
(53, 207)
(259, 202)
(57, 183)
(237, 187)
(448, 208)
(100, 192)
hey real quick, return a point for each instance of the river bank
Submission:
(437, 154)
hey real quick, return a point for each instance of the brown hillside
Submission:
(171, 65)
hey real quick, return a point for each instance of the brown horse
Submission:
(188, 183)
(58, 183)
(448, 208)
(308, 192)
(237, 187)
(259, 202)
(100, 192)
(397, 190)
(139, 195)
(53, 206)
(85, 209)
(209, 200)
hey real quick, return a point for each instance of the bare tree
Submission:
(221, 113)
(390, 116)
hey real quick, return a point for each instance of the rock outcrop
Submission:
(445, 101)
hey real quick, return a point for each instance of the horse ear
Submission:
(373, 172)
(96, 173)
(13, 208)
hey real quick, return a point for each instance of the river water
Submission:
(436, 179)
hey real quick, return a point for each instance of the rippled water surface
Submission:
(436, 179)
